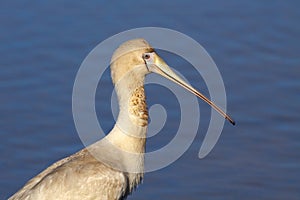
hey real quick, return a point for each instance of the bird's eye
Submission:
(146, 56)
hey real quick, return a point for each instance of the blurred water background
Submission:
(255, 44)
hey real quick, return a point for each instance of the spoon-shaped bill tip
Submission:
(230, 120)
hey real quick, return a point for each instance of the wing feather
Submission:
(79, 176)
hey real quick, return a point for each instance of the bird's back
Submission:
(79, 176)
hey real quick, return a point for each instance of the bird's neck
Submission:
(128, 137)
(129, 133)
(133, 115)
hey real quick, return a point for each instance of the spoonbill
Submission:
(118, 167)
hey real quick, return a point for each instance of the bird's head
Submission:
(129, 59)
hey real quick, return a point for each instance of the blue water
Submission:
(255, 44)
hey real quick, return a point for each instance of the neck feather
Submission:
(133, 115)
